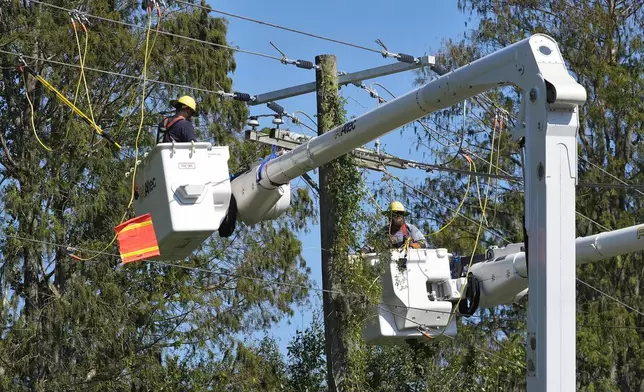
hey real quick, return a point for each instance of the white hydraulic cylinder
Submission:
(610, 244)
(503, 279)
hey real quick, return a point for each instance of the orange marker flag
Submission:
(137, 239)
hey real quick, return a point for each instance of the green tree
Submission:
(306, 361)
(96, 325)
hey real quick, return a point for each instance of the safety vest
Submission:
(405, 234)
(166, 126)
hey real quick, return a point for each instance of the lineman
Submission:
(398, 231)
(178, 128)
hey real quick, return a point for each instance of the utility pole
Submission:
(328, 104)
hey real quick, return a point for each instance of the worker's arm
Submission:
(417, 237)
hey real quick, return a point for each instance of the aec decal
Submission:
(348, 127)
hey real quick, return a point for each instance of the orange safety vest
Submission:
(405, 233)
(167, 126)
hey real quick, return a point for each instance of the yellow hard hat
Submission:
(396, 206)
(186, 100)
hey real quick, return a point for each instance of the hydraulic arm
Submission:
(503, 277)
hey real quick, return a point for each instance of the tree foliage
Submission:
(94, 324)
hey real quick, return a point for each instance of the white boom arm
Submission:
(503, 276)
(524, 64)
(548, 122)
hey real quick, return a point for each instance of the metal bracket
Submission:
(290, 140)
(347, 78)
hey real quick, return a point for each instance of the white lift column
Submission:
(551, 120)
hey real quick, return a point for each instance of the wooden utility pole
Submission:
(328, 102)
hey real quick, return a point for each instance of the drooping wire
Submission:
(478, 235)
(80, 79)
(82, 57)
(458, 209)
(147, 54)
(33, 123)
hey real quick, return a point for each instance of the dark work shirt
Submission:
(181, 132)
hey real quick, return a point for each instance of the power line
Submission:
(298, 285)
(210, 9)
(163, 32)
(609, 296)
(592, 221)
(610, 174)
(117, 74)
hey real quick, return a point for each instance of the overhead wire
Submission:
(592, 221)
(610, 297)
(508, 176)
(238, 276)
(117, 74)
(609, 174)
(268, 56)
(162, 32)
(210, 9)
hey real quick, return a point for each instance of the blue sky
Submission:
(413, 27)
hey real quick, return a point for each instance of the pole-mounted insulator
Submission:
(242, 97)
(277, 108)
(406, 58)
(252, 122)
(304, 64)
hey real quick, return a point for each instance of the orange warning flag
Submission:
(137, 239)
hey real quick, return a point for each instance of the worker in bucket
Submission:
(398, 231)
(178, 128)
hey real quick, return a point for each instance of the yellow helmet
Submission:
(186, 100)
(396, 206)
